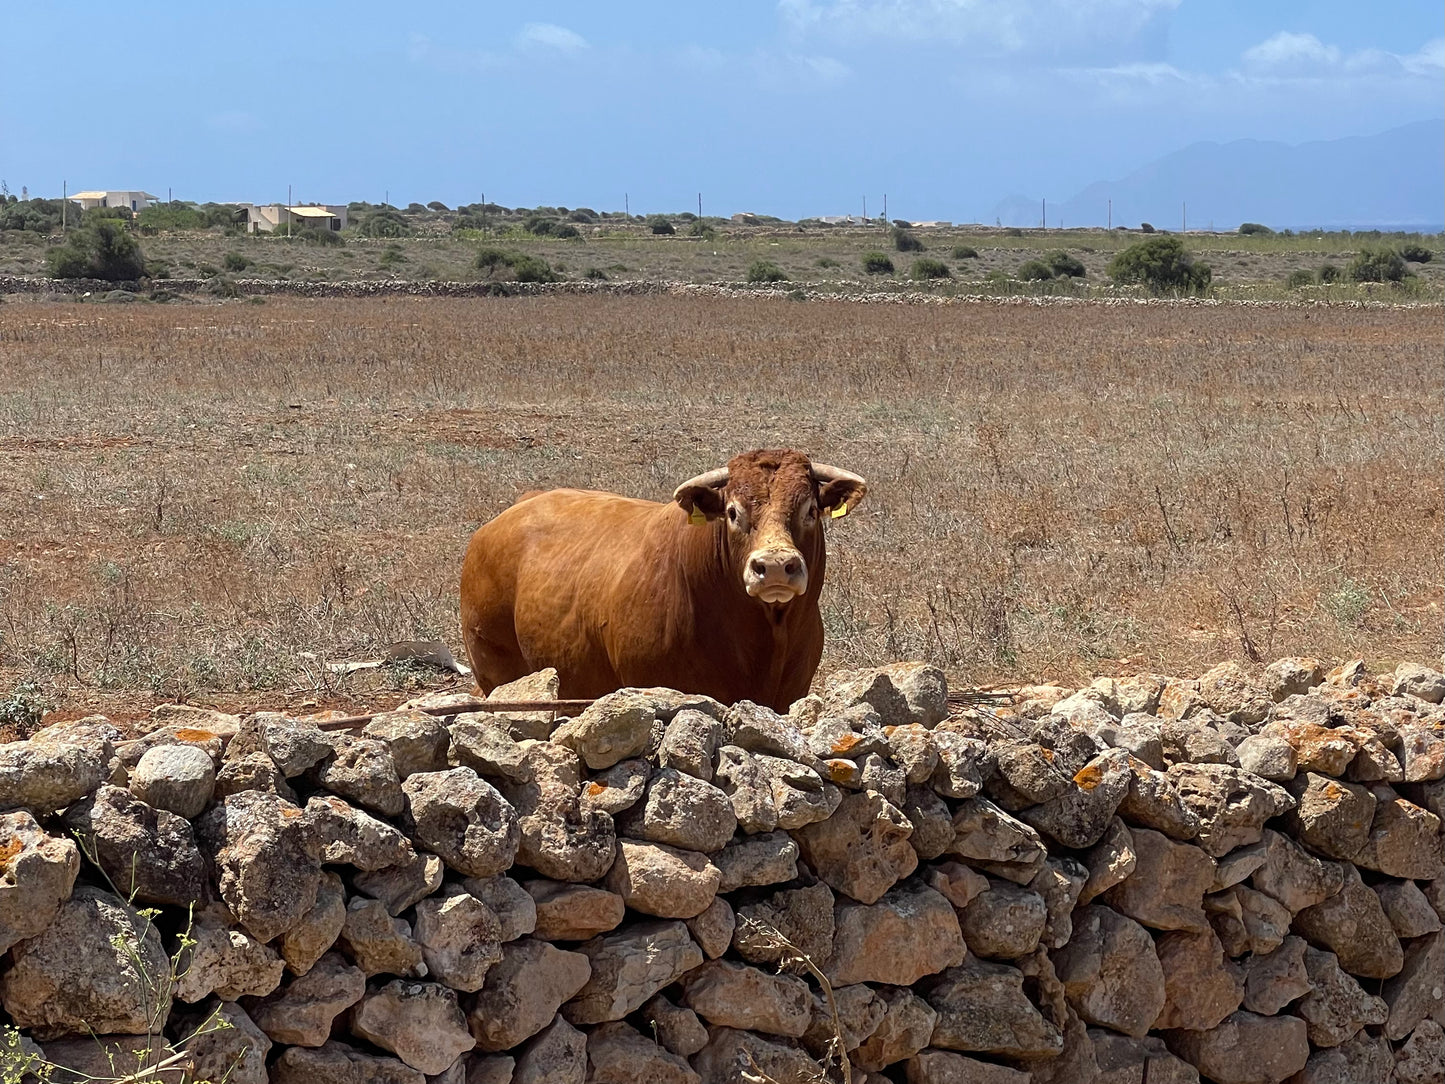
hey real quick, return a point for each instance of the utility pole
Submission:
(1111, 214)
(626, 206)
(288, 212)
(64, 202)
(699, 206)
(885, 206)
(865, 208)
(1044, 212)
(1184, 218)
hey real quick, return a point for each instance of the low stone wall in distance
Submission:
(1236, 879)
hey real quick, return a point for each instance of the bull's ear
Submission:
(839, 496)
(703, 495)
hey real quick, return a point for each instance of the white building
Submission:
(270, 217)
(135, 200)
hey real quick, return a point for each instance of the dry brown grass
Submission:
(193, 496)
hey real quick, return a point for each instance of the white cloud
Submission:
(1289, 55)
(1104, 30)
(550, 36)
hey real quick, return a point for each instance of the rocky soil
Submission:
(1235, 879)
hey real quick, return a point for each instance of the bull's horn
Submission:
(713, 479)
(823, 473)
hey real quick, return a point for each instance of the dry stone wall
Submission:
(1234, 879)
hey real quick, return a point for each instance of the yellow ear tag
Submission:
(696, 518)
(840, 511)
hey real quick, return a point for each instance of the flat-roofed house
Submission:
(134, 200)
(269, 217)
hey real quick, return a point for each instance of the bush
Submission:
(437, 205)
(662, 226)
(1247, 228)
(1161, 264)
(1415, 253)
(34, 215)
(904, 241)
(1381, 264)
(565, 231)
(171, 216)
(1299, 277)
(1065, 266)
(489, 259)
(583, 214)
(223, 286)
(319, 235)
(825, 262)
(1144, 227)
(540, 226)
(965, 252)
(505, 266)
(234, 261)
(104, 249)
(532, 269)
(1329, 273)
(765, 271)
(596, 274)
(1035, 271)
(383, 223)
(701, 229)
(929, 269)
(877, 263)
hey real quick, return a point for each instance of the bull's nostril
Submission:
(793, 567)
(759, 566)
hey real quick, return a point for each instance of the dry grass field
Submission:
(212, 501)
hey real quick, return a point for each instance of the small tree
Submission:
(1329, 273)
(965, 252)
(384, 223)
(1381, 264)
(904, 241)
(1035, 271)
(1161, 264)
(765, 271)
(661, 226)
(1414, 253)
(104, 249)
(1065, 266)
(1247, 228)
(877, 263)
(1299, 277)
(926, 268)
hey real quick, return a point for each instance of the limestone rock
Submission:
(959, 884)
(337, 1063)
(1405, 841)
(460, 938)
(1268, 756)
(83, 1060)
(1193, 741)
(628, 966)
(1122, 1060)
(307, 941)
(563, 837)
(1407, 909)
(748, 787)
(713, 929)
(1336, 1006)
(267, 860)
(235, 1052)
(1412, 679)
(905, 1029)
(862, 849)
(619, 1054)
(619, 788)
(542, 685)
(682, 811)
(569, 912)
(43, 778)
(1417, 991)
(417, 741)
(483, 742)
(177, 778)
(946, 1067)
(1273, 980)
(1201, 986)
(37, 872)
(757, 860)
(461, 817)
(1237, 866)
(1234, 694)
(615, 727)
(1294, 877)
(910, 932)
(1291, 677)
(523, 992)
(361, 770)
(1166, 889)
(996, 842)
(150, 852)
(1365, 1059)
(678, 1030)
(690, 742)
(859, 1012)
(1245, 1049)
(757, 729)
(1078, 817)
(1004, 922)
(302, 1011)
(1333, 817)
(1109, 861)
(1352, 924)
(227, 962)
(803, 915)
(1231, 804)
(419, 1022)
(401, 886)
(734, 995)
(903, 693)
(556, 1055)
(664, 881)
(1110, 972)
(355, 838)
(982, 1008)
(510, 902)
(72, 979)
(1422, 1059)
(729, 1053)
(380, 944)
(962, 763)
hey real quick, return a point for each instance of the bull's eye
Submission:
(733, 514)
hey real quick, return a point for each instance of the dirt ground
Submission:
(213, 501)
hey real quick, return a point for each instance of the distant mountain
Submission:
(1394, 181)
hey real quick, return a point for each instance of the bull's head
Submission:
(773, 503)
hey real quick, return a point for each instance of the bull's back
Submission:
(540, 582)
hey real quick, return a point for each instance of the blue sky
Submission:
(792, 108)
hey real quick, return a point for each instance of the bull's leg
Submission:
(494, 654)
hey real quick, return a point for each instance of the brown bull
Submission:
(714, 592)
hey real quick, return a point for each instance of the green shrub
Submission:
(1035, 271)
(765, 271)
(565, 231)
(171, 216)
(904, 241)
(661, 226)
(596, 274)
(532, 269)
(489, 259)
(35, 215)
(383, 223)
(104, 249)
(321, 235)
(392, 257)
(223, 286)
(926, 268)
(965, 252)
(1382, 264)
(1144, 227)
(1247, 228)
(234, 261)
(1162, 265)
(1329, 273)
(1013, 231)
(583, 214)
(825, 262)
(1065, 266)
(877, 263)
(1413, 253)
(504, 266)
(701, 229)
(1299, 277)
(437, 205)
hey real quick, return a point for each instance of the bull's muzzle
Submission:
(776, 575)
